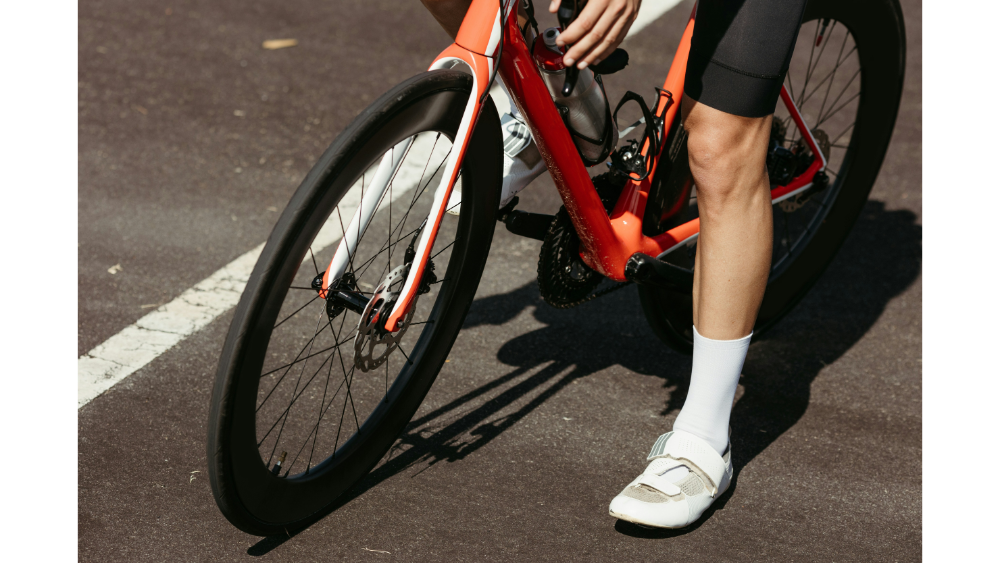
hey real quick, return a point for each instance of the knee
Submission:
(727, 153)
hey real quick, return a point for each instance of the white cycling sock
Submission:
(715, 372)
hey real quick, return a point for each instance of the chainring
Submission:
(564, 280)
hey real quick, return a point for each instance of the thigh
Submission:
(740, 51)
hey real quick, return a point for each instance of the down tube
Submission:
(568, 172)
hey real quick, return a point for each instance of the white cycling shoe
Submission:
(522, 162)
(652, 500)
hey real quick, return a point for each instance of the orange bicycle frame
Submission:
(490, 40)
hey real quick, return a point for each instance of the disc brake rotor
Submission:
(374, 343)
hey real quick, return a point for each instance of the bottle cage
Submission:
(629, 159)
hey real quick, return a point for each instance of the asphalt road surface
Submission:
(192, 137)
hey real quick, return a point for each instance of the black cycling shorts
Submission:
(740, 51)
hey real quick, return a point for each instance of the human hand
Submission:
(597, 31)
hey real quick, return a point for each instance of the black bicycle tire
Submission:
(239, 488)
(878, 30)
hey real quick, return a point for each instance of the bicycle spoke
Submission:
(830, 75)
(284, 417)
(417, 195)
(812, 49)
(818, 57)
(840, 61)
(347, 379)
(284, 414)
(319, 418)
(329, 372)
(405, 216)
(442, 250)
(349, 395)
(313, 256)
(304, 347)
(832, 112)
(405, 355)
(296, 311)
(840, 95)
(382, 197)
(315, 428)
(275, 370)
(837, 138)
(350, 255)
(367, 263)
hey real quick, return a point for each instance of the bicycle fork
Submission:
(480, 54)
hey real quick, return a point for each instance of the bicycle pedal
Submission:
(530, 225)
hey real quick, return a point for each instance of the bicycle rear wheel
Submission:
(295, 421)
(847, 89)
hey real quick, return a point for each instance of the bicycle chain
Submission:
(564, 281)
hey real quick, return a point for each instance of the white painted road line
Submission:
(137, 345)
(142, 342)
(650, 11)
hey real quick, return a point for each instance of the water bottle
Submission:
(585, 111)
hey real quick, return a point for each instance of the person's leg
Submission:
(739, 55)
(727, 156)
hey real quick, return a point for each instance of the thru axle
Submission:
(342, 295)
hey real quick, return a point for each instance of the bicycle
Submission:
(281, 452)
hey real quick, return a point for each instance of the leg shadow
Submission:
(880, 259)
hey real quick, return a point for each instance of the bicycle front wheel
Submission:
(295, 420)
(846, 78)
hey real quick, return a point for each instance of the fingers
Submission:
(588, 37)
(619, 30)
(583, 23)
(597, 31)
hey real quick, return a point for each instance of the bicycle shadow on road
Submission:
(880, 259)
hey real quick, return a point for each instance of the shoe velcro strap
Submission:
(700, 457)
(658, 483)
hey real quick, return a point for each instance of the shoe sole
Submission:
(639, 522)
